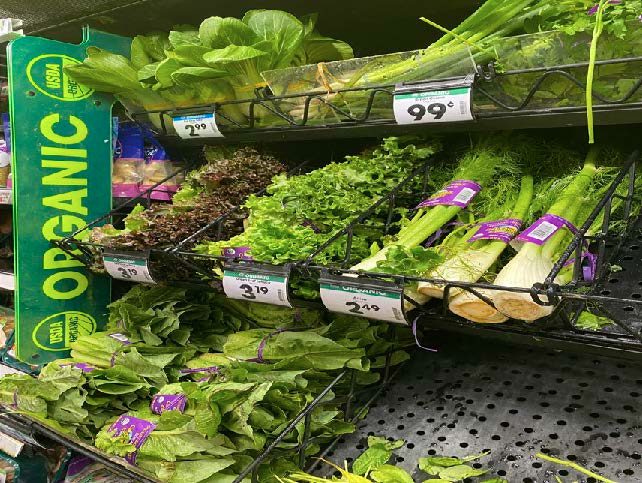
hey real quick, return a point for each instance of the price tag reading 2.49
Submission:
(197, 126)
(433, 106)
(364, 302)
(256, 287)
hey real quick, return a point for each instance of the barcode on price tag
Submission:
(197, 126)
(543, 231)
(257, 287)
(128, 268)
(363, 302)
(465, 195)
(433, 106)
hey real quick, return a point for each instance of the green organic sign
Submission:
(62, 158)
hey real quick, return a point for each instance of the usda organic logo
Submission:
(46, 73)
(58, 331)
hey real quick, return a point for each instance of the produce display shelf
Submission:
(511, 401)
(491, 111)
(559, 330)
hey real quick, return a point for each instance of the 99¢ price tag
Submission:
(130, 269)
(363, 302)
(197, 126)
(256, 287)
(445, 105)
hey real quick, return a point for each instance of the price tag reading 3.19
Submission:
(256, 287)
(197, 126)
(126, 268)
(369, 303)
(446, 105)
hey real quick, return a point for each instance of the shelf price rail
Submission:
(491, 108)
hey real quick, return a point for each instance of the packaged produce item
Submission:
(85, 470)
(128, 161)
(5, 151)
(158, 167)
(5, 163)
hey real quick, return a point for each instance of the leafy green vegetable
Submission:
(235, 406)
(590, 321)
(378, 453)
(390, 474)
(221, 60)
(450, 468)
(302, 212)
(459, 472)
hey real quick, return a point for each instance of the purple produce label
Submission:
(137, 429)
(589, 265)
(120, 338)
(86, 368)
(168, 402)
(458, 193)
(502, 230)
(78, 464)
(238, 252)
(544, 228)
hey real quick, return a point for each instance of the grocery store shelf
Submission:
(604, 115)
(369, 112)
(513, 402)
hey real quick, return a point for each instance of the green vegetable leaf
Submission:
(184, 37)
(459, 472)
(390, 474)
(283, 31)
(219, 32)
(443, 461)
(378, 453)
(589, 321)
(199, 470)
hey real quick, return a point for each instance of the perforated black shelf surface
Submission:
(475, 396)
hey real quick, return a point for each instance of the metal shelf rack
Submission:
(491, 110)
(513, 402)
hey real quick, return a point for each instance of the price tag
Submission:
(197, 126)
(434, 102)
(372, 303)
(256, 285)
(6, 196)
(128, 267)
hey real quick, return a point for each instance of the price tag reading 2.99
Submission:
(197, 126)
(369, 303)
(256, 287)
(446, 105)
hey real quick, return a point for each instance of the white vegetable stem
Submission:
(471, 307)
(472, 263)
(533, 262)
